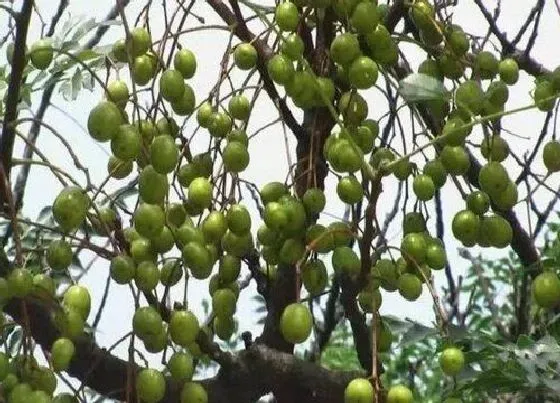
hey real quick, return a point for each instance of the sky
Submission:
(269, 160)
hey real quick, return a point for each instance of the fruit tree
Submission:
(266, 186)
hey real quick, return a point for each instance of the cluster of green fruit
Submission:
(360, 390)
(23, 380)
(41, 53)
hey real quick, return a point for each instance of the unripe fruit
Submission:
(478, 202)
(399, 394)
(149, 220)
(293, 46)
(119, 169)
(185, 62)
(486, 64)
(181, 366)
(164, 154)
(183, 328)
(117, 92)
(345, 260)
(413, 246)
(465, 226)
(139, 41)
(314, 201)
(414, 221)
(296, 323)
(142, 70)
(363, 73)
(70, 208)
(122, 269)
(146, 321)
(245, 56)
(150, 385)
(171, 272)
(452, 361)
(152, 186)
(235, 157)
(59, 255)
(455, 160)
(359, 390)
(469, 96)
(509, 71)
(20, 282)
(314, 276)
(41, 54)
(281, 69)
(546, 290)
(365, 17)
(435, 256)
(185, 105)
(198, 259)
(171, 85)
(62, 352)
(77, 297)
(127, 143)
(349, 190)
(239, 107)
(147, 276)
(544, 95)
(493, 178)
(494, 148)
(551, 156)
(287, 16)
(410, 286)
(200, 192)
(345, 48)
(193, 392)
(423, 187)
(238, 219)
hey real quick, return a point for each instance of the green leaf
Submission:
(422, 87)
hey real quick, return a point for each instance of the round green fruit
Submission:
(293, 46)
(363, 73)
(365, 17)
(77, 297)
(185, 105)
(413, 246)
(287, 16)
(152, 185)
(245, 56)
(465, 226)
(171, 85)
(149, 220)
(410, 286)
(455, 160)
(359, 390)
(20, 282)
(183, 328)
(41, 54)
(546, 290)
(181, 366)
(345, 48)
(150, 385)
(239, 107)
(104, 121)
(423, 187)
(122, 269)
(478, 202)
(184, 61)
(59, 255)
(164, 154)
(142, 70)
(400, 394)
(281, 69)
(551, 156)
(117, 92)
(452, 361)
(139, 41)
(349, 189)
(62, 352)
(296, 323)
(127, 143)
(193, 392)
(235, 157)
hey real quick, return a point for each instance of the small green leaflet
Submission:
(422, 87)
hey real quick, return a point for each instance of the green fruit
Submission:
(410, 286)
(465, 226)
(205, 114)
(70, 208)
(245, 56)
(214, 226)
(181, 366)
(281, 69)
(345, 260)
(239, 136)
(117, 92)
(287, 16)
(141, 249)
(494, 148)
(545, 97)
(147, 276)
(41, 54)
(435, 256)
(478, 202)
(365, 17)
(122, 269)
(152, 186)
(118, 51)
(200, 192)
(292, 251)
(353, 107)
(436, 170)
(364, 138)
(486, 64)
(20, 282)
(507, 199)
(198, 259)
(383, 49)
(142, 70)
(70, 323)
(509, 71)
(345, 48)
(413, 247)
(493, 178)
(175, 214)
(469, 97)
(229, 268)
(59, 255)
(292, 46)
(21, 393)
(496, 231)
(150, 385)
(164, 154)
(127, 143)
(431, 68)
(62, 352)
(224, 327)
(272, 191)
(239, 107)
(235, 157)
(314, 201)
(171, 272)
(193, 392)
(183, 328)
(546, 290)
(423, 187)
(224, 303)
(185, 105)
(399, 394)
(314, 276)
(220, 125)
(454, 133)
(238, 219)
(497, 93)
(551, 156)
(77, 297)
(171, 85)
(149, 220)
(119, 169)
(452, 361)
(139, 41)
(349, 190)
(184, 61)
(104, 121)
(296, 323)
(359, 390)
(458, 42)
(344, 157)
(363, 73)
(455, 160)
